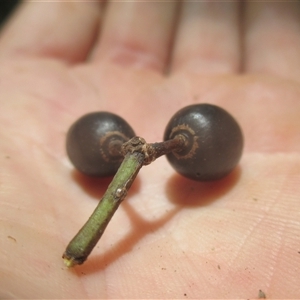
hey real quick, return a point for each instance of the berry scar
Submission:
(202, 142)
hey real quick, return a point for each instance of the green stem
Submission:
(136, 154)
(85, 240)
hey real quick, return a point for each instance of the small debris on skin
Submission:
(261, 295)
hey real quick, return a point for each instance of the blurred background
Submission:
(6, 7)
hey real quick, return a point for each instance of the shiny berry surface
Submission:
(214, 142)
(93, 142)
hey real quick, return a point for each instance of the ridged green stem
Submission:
(136, 154)
(85, 240)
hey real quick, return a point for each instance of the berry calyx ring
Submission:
(202, 142)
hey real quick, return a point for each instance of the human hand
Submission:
(172, 237)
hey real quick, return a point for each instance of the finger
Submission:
(272, 41)
(137, 34)
(208, 38)
(64, 30)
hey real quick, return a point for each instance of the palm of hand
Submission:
(172, 237)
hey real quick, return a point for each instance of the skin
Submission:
(172, 237)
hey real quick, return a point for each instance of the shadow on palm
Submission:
(182, 192)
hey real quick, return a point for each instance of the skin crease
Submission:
(172, 237)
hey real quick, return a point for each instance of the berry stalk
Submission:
(85, 240)
(136, 154)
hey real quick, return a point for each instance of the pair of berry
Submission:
(202, 142)
(207, 142)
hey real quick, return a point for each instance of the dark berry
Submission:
(214, 142)
(94, 141)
